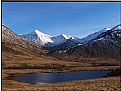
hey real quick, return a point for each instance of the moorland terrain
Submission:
(21, 55)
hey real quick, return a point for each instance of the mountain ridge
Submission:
(16, 48)
(49, 41)
(45, 39)
(106, 45)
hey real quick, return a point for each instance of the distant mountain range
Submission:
(50, 41)
(45, 39)
(102, 44)
(105, 44)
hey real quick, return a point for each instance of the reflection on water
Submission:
(45, 78)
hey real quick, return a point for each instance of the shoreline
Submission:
(11, 76)
(22, 71)
(16, 85)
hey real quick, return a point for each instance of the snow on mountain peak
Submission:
(118, 26)
(66, 36)
(48, 40)
(38, 36)
(42, 38)
(37, 31)
(106, 28)
(92, 36)
(40, 33)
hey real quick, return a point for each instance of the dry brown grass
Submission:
(20, 55)
(33, 61)
(104, 84)
(43, 63)
(101, 84)
(11, 60)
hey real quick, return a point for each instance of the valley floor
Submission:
(13, 65)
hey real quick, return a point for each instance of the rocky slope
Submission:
(12, 41)
(105, 46)
(21, 53)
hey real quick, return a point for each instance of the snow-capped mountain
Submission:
(106, 45)
(75, 41)
(45, 39)
(111, 35)
(58, 40)
(65, 40)
(50, 41)
(92, 36)
(87, 38)
(38, 36)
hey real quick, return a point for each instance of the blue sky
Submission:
(54, 18)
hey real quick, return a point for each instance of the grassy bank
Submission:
(101, 84)
(19, 64)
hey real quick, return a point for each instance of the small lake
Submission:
(45, 78)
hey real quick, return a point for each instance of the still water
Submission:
(45, 78)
